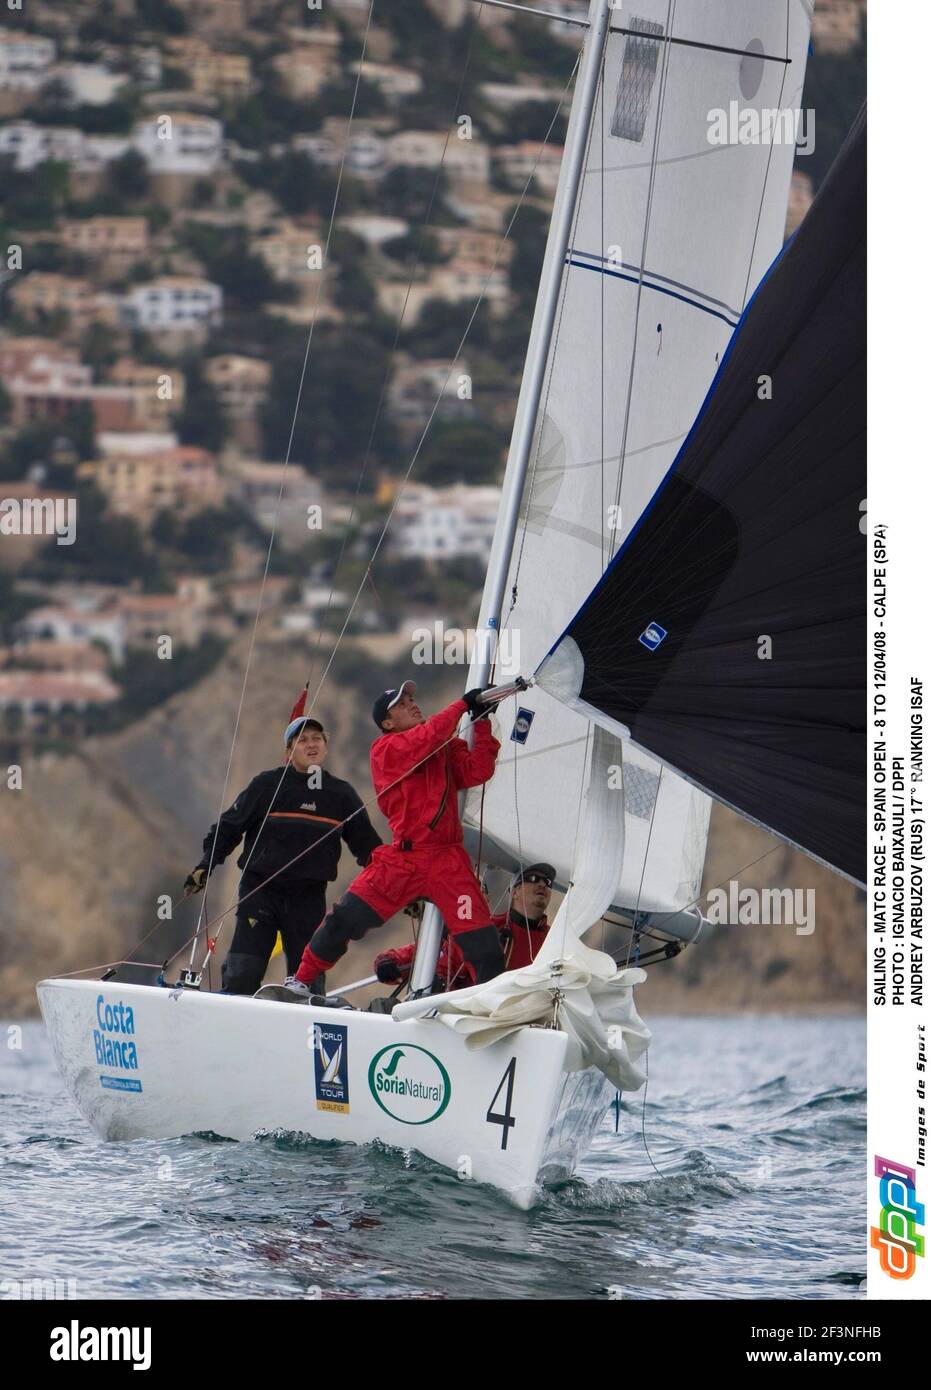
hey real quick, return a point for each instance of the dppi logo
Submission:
(896, 1237)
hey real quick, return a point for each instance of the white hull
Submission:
(146, 1062)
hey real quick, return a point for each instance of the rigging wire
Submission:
(287, 459)
(415, 264)
(444, 384)
(371, 438)
(201, 925)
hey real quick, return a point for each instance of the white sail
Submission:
(673, 232)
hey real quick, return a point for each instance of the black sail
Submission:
(751, 559)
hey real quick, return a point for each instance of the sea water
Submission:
(740, 1173)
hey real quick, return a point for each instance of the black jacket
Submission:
(296, 819)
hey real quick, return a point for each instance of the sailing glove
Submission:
(194, 882)
(473, 699)
(387, 970)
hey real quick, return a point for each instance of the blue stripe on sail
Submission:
(685, 444)
(660, 289)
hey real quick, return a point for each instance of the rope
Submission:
(287, 460)
(397, 335)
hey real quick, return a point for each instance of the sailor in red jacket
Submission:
(522, 931)
(418, 766)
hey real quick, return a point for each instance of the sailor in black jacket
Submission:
(292, 821)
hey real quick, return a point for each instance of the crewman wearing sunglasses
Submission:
(521, 930)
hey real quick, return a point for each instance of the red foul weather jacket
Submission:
(416, 779)
(520, 941)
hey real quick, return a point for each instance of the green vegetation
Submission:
(14, 605)
(128, 178)
(201, 419)
(109, 550)
(456, 452)
(162, 15)
(34, 444)
(33, 199)
(440, 326)
(294, 181)
(338, 400)
(148, 681)
(114, 118)
(245, 279)
(408, 192)
(529, 237)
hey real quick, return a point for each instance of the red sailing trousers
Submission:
(393, 878)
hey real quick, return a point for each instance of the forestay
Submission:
(672, 234)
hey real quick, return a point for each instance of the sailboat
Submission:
(614, 562)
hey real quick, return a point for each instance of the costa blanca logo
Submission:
(410, 1084)
(115, 1044)
(77, 1343)
(40, 516)
(896, 1237)
(331, 1063)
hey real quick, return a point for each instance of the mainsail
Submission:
(752, 561)
(672, 233)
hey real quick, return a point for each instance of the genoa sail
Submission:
(672, 233)
(729, 635)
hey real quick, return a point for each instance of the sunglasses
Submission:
(537, 878)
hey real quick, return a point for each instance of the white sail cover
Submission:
(580, 989)
(672, 234)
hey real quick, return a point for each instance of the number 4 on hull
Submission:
(505, 1120)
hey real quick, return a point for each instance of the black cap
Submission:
(388, 698)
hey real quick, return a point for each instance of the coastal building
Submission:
(180, 142)
(442, 523)
(25, 61)
(118, 239)
(178, 302)
(182, 479)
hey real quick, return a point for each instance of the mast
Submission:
(554, 261)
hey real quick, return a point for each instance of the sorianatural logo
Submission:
(410, 1084)
(896, 1237)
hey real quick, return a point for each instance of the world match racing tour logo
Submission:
(331, 1067)
(115, 1044)
(896, 1237)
